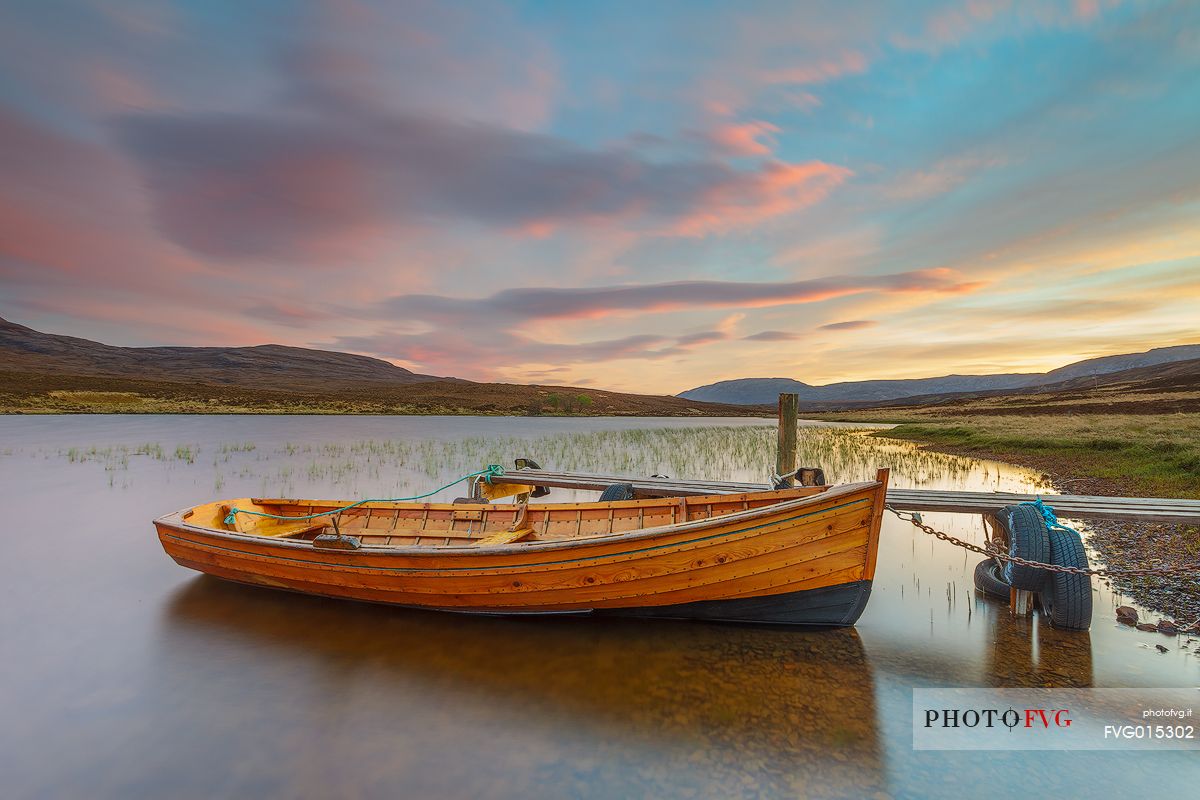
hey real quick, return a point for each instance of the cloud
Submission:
(550, 373)
(850, 325)
(729, 324)
(314, 182)
(69, 218)
(742, 139)
(515, 306)
(772, 336)
(772, 190)
(486, 356)
(353, 153)
(848, 62)
(953, 24)
(940, 178)
(486, 63)
(288, 314)
(481, 336)
(701, 338)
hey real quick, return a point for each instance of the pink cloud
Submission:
(484, 357)
(452, 346)
(511, 307)
(728, 325)
(509, 316)
(432, 59)
(67, 208)
(1087, 9)
(848, 62)
(744, 139)
(292, 315)
(952, 25)
(849, 325)
(310, 185)
(772, 336)
(119, 89)
(938, 179)
(777, 188)
(701, 338)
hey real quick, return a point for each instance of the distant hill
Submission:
(269, 365)
(757, 391)
(1107, 364)
(1163, 388)
(48, 373)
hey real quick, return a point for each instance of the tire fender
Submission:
(1027, 538)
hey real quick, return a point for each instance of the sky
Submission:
(643, 196)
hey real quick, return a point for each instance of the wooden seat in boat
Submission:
(506, 537)
(296, 532)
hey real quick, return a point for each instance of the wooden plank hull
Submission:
(790, 557)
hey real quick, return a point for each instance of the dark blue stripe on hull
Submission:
(830, 606)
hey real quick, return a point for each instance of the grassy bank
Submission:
(1151, 455)
(27, 393)
(1146, 455)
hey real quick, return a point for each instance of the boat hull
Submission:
(827, 607)
(806, 561)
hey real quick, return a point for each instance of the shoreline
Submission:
(318, 412)
(1120, 545)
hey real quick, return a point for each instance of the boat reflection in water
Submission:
(324, 694)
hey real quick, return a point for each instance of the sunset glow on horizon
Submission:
(642, 197)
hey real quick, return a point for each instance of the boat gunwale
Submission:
(504, 569)
(176, 521)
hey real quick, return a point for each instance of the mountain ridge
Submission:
(51, 373)
(27, 350)
(759, 391)
(56, 362)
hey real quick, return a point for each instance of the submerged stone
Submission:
(1127, 615)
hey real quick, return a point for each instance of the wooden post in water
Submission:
(785, 458)
(1020, 602)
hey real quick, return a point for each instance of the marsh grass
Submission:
(1153, 455)
(401, 467)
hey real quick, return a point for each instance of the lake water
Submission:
(125, 675)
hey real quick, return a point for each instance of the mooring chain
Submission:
(994, 551)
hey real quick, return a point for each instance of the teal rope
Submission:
(1048, 515)
(487, 474)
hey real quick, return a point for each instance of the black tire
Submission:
(1027, 538)
(470, 501)
(617, 491)
(529, 463)
(988, 580)
(1066, 598)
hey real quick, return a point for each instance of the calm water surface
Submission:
(125, 675)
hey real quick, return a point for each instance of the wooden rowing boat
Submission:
(802, 556)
